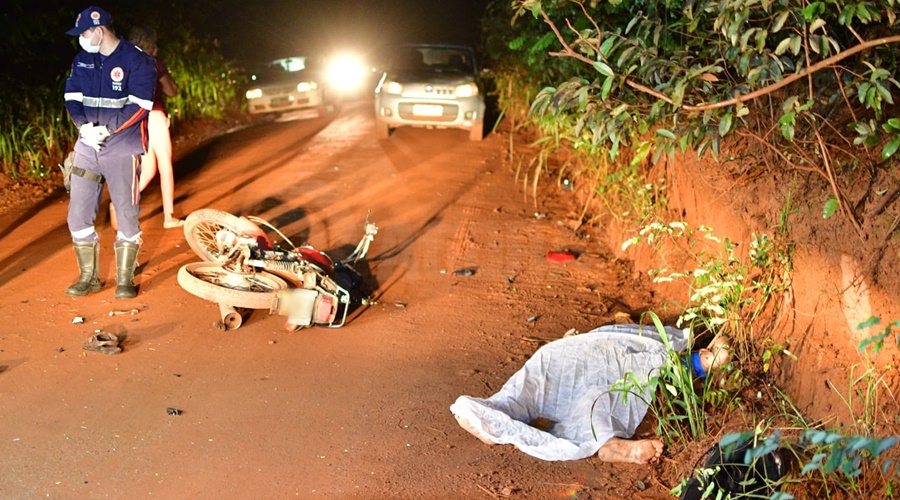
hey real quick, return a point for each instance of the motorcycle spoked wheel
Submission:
(211, 281)
(201, 226)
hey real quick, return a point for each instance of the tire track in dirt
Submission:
(462, 241)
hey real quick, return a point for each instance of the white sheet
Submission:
(567, 382)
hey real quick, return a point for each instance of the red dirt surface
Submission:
(356, 412)
(363, 411)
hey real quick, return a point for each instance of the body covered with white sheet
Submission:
(569, 382)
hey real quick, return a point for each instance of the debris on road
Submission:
(466, 271)
(77, 320)
(120, 312)
(103, 342)
(560, 256)
(173, 411)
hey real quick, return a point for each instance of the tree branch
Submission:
(824, 63)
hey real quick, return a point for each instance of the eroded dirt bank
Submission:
(836, 281)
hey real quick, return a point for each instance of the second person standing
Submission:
(159, 150)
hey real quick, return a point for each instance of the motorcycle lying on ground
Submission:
(243, 269)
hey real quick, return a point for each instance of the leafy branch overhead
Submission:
(811, 83)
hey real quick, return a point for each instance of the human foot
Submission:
(173, 223)
(639, 451)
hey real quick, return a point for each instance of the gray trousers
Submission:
(122, 175)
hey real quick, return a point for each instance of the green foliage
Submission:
(649, 78)
(843, 459)
(35, 136)
(35, 130)
(824, 460)
(876, 342)
(728, 291)
(208, 83)
(830, 207)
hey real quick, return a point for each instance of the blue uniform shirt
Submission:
(116, 91)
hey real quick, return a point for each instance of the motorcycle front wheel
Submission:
(211, 281)
(202, 225)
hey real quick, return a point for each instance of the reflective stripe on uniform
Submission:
(120, 236)
(83, 233)
(73, 96)
(144, 103)
(104, 102)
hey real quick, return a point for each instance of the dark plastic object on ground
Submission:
(733, 477)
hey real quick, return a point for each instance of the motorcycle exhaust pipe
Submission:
(231, 318)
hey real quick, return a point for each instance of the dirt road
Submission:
(356, 412)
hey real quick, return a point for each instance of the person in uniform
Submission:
(108, 95)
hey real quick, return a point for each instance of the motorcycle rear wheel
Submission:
(201, 227)
(211, 281)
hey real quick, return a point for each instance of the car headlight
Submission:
(254, 93)
(467, 90)
(306, 86)
(346, 72)
(393, 88)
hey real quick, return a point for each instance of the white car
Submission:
(434, 86)
(289, 84)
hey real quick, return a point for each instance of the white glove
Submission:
(93, 134)
(85, 130)
(102, 132)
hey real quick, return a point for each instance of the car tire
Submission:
(476, 133)
(382, 129)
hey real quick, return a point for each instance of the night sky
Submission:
(37, 49)
(371, 26)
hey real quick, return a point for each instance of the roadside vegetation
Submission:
(35, 130)
(608, 93)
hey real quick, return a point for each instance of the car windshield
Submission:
(281, 69)
(433, 59)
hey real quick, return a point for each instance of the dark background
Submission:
(36, 49)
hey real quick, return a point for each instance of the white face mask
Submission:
(85, 43)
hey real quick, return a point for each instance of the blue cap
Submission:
(90, 17)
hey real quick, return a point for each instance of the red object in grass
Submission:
(560, 256)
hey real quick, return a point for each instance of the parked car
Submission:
(289, 84)
(434, 86)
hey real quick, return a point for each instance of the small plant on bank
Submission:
(727, 292)
(876, 342)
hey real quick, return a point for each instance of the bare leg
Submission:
(640, 451)
(148, 167)
(163, 151)
(159, 158)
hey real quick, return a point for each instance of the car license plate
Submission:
(428, 110)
